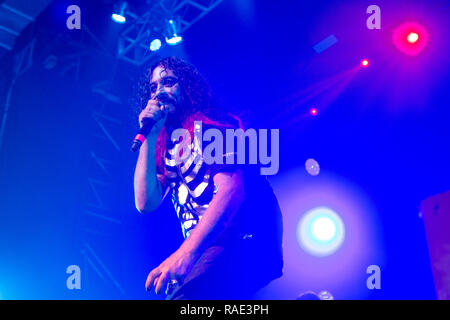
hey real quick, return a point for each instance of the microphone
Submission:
(142, 133)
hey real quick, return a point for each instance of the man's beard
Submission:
(174, 118)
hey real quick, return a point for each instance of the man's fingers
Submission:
(148, 281)
(162, 282)
(152, 104)
(151, 278)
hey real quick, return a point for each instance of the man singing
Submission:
(230, 217)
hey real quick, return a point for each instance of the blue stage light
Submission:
(173, 38)
(118, 18)
(155, 45)
(320, 231)
(119, 14)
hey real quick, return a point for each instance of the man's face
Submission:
(164, 80)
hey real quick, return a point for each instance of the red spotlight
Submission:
(313, 111)
(410, 38)
(365, 63)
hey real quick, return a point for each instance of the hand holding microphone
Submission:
(151, 119)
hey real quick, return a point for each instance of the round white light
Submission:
(323, 229)
(320, 231)
(312, 167)
(155, 45)
(413, 37)
(118, 18)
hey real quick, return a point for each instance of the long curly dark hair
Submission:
(198, 102)
(196, 92)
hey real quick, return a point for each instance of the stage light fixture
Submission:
(312, 167)
(410, 38)
(172, 29)
(155, 45)
(413, 37)
(323, 229)
(320, 232)
(365, 63)
(119, 15)
(313, 111)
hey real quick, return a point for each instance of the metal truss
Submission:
(15, 16)
(22, 62)
(101, 221)
(134, 41)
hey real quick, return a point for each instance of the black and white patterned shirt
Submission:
(191, 184)
(192, 189)
(258, 220)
